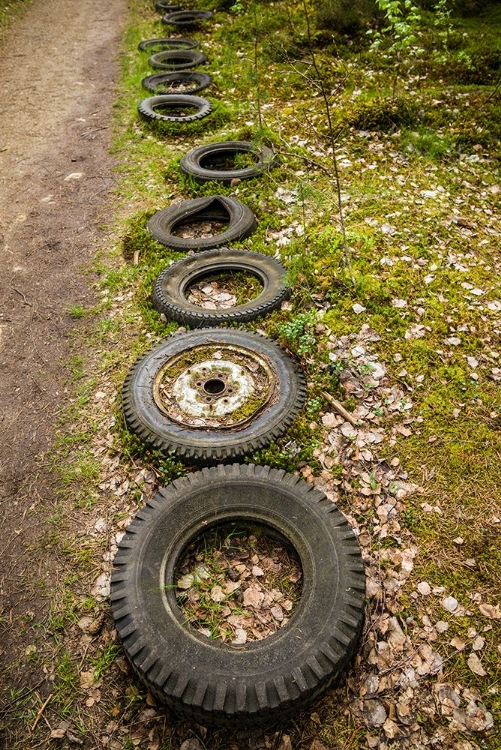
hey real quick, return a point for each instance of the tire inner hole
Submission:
(200, 228)
(238, 582)
(175, 110)
(229, 160)
(223, 290)
(176, 87)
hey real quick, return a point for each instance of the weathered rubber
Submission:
(159, 82)
(241, 222)
(187, 17)
(202, 107)
(145, 419)
(169, 291)
(264, 681)
(177, 59)
(192, 162)
(170, 42)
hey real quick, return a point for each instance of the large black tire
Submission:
(149, 107)
(152, 45)
(255, 388)
(169, 291)
(187, 17)
(160, 83)
(267, 680)
(177, 59)
(242, 222)
(193, 163)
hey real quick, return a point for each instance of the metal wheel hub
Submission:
(214, 386)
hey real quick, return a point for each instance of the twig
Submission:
(313, 162)
(21, 697)
(94, 130)
(256, 71)
(339, 408)
(40, 712)
(22, 295)
(492, 94)
(346, 249)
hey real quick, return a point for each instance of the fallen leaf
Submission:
(450, 604)
(374, 713)
(475, 665)
(86, 680)
(253, 597)
(217, 594)
(490, 611)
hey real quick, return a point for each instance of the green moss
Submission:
(383, 113)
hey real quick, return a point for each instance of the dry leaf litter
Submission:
(238, 590)
(398, 684)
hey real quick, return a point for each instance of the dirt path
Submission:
(57, 82)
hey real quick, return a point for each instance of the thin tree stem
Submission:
(256, 71)
(346, 250)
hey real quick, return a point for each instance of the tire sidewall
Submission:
(242, 222)
(169, 292)
(191, 166)
(327, 619)
(144, 417)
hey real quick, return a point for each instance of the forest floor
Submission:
(400, 325)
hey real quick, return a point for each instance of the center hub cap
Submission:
(216, 387)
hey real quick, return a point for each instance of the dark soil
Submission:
(57, 80)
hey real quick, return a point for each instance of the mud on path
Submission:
(57, 83)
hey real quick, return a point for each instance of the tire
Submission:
(160, 82)
(165, 7)
(212, 394)
(166, 43)
(177, 59)
(242, 222)
(192, 164)
(264, 681)
(147, 108)
(170, 289)
(187, 17)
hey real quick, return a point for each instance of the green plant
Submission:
(443, 25)
(76, 311)
(400, 35)
(299, 334)
(402, 18)
(104, 659)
